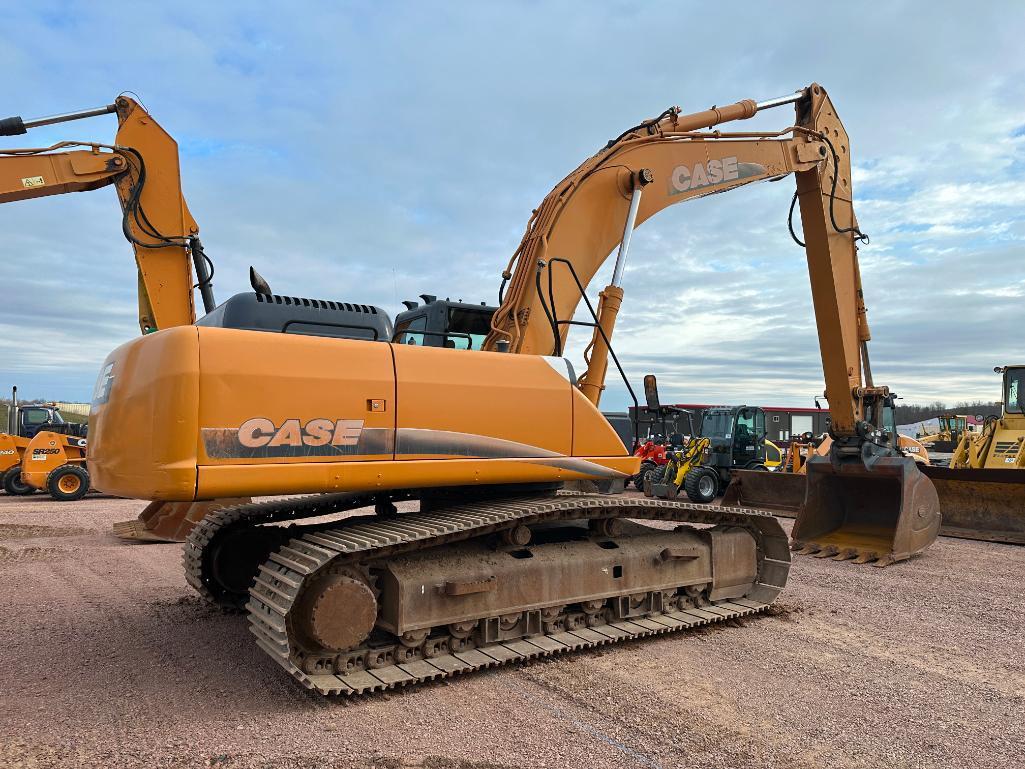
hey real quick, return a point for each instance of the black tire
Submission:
(13, 485)
(638, 480)
(701, 485)
(68, 483)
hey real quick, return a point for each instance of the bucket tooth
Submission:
(846, 554)
(884, 561)
(827, 552)
(864, 557)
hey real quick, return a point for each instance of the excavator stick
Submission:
(171, 521)
(981, 503)
(883, 513)
(778, 493)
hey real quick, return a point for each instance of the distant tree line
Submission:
(909, 413)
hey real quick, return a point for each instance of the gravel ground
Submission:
(108, 659)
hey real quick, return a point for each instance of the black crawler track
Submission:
(311, 549)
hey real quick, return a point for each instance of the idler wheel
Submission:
(340, 612)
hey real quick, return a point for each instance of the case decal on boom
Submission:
(685, 178)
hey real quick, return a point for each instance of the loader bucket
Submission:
(779, 493)
(884, 514)
(170, 521)
(981, 504)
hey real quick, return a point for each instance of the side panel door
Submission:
(458, 404)
(285, 398)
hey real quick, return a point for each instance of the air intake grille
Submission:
(317, 304)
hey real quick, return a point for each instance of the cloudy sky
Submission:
(373, 152)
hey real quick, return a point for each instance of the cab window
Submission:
(36, 416)
(890, 423)
(715, 424)
(467, 328)
(1014, 391)
(745, 425)
(411, 331)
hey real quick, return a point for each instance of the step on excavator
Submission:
(503, 560)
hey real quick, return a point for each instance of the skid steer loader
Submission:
(42, 452)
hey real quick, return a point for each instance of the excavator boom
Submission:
(675, 158)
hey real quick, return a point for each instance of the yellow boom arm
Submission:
(670, 160)
(143, 166)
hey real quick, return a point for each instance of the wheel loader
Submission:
(951, 428)
(42, 452)
(982, 491)
(731, 439)
(503, 560)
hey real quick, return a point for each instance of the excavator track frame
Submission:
(347, 544)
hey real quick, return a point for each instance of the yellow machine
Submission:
(12, 449)
(681, 461)
(498, 564)
(42, 452)
(951, 428)
(56, 463)
(982, 492)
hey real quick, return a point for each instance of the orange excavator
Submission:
(513, 551)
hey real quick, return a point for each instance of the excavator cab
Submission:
(443, 323)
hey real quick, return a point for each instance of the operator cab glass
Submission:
(468, 327)
(441, 323)
(750, 432)
(41, 416)
(1014, 391)
(411, 331)
(715, 424)
(890, 425)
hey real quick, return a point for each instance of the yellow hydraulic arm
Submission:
(669, 160)
(867, 501)
(143, 166)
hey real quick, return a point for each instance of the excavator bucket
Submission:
(981, 504)
(171, 521)
(779, 493)
(884, 514)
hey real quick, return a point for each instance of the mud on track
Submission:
(108, 659)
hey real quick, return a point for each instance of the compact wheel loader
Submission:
(731, 439)
(505, 559)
